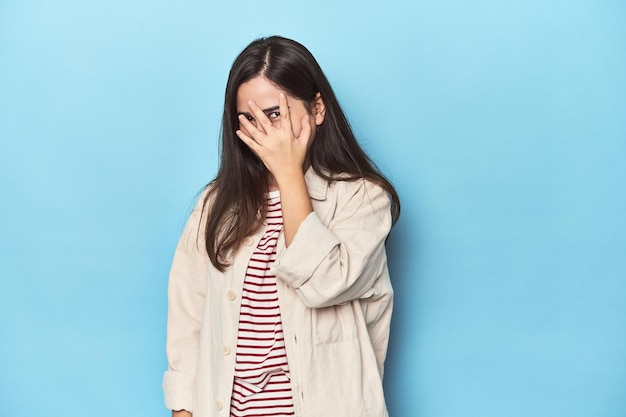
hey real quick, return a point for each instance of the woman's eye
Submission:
(249, 118)
(273, 115)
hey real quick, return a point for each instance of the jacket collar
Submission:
(317, 186)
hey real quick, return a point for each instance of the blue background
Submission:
(502, 124)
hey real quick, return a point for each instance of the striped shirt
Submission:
(262, 383)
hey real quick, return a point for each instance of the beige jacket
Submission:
(335, 299)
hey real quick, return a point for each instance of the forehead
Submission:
(259, 89)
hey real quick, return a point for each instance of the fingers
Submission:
(285, 117)
(305, 132)
(260, 128)
(248, 125)
(259, 116)
(252, 144)
(263, 123)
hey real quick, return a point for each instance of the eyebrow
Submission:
(266, 111)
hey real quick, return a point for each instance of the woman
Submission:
(279, 296)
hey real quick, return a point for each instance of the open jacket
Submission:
(335, 299)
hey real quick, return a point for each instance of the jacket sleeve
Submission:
(335, 263)
(186, 292)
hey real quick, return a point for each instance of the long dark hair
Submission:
(236, 196)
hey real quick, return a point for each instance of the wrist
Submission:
(289, 178)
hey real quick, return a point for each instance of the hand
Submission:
(181, 413)
(280, 150)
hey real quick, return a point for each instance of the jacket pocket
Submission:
(333, 324)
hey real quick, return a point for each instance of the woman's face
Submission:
(265, 94)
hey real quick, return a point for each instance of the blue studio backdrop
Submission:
(502, 124)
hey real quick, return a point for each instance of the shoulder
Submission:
(357, 200)
(205, 197)
(346, 188)
(201, 203)
(347, 185)
(341, 186)
(361, 195)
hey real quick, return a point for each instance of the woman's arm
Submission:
(284, 156)
(186, 291)
(325, 264)
(338, 262)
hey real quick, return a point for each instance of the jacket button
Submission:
(231, 295)
(225, 350)
(219, 405)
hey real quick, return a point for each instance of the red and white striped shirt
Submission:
(262, 382)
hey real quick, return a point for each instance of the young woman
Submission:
(279, 294)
